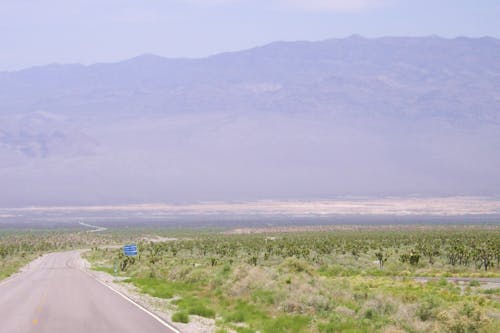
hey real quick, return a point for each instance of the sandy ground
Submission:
(159, 239)
(439, 206)
(95, 228)
(350, 227)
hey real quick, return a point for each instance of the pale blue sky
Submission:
(35, 32)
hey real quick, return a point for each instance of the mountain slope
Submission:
(412, 76)
(354, 116)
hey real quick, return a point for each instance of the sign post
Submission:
(130, 250)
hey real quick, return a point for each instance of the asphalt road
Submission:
(54, 295)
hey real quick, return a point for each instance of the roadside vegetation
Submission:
(340, 281)
(17, 248)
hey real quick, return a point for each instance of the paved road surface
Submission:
(55, 296)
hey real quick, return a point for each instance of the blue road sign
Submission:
(130, 250)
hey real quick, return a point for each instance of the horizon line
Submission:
(187, 58)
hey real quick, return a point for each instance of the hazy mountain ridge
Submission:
(355, 116)
(352, 76)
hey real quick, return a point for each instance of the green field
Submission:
(338, 281)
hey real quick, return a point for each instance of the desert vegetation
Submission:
(337, 281)
(17, 248)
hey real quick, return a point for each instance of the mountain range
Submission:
(392, 116)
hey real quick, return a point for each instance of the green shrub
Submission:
(491, 327)
(474, 283)
(180, 317)
(469, 318)
(202, 311)
(369, 314)
(236, 317)
(264, 296)
(492, 291)
(287, 324)
(295, 265)
(343, 324)
(159, 288)
(226, 269)
(245, 312)
(427, 308)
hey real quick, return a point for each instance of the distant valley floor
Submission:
(270, 213)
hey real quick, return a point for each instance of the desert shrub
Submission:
(295, 265)
(344, 311)
(319, 303)
(179, 273)
(196, 277)
(370, 313)
(245, 312)
(491, 327)
(378, 306)
(293, 306)
(492, 291)
(287, 324)
(236, 317)
(468, 318)
(474, 283)
(339, 324)
(428, 307)
(180, 317)
(412, 258)
(226, 269)
(264, 296)
(202, 311)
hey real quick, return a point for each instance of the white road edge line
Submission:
(161, 321)
(7, 280)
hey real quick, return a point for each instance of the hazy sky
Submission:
(36, 32)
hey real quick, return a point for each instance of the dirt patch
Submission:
(159, 239)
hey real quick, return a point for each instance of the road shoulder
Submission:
(162, 308)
